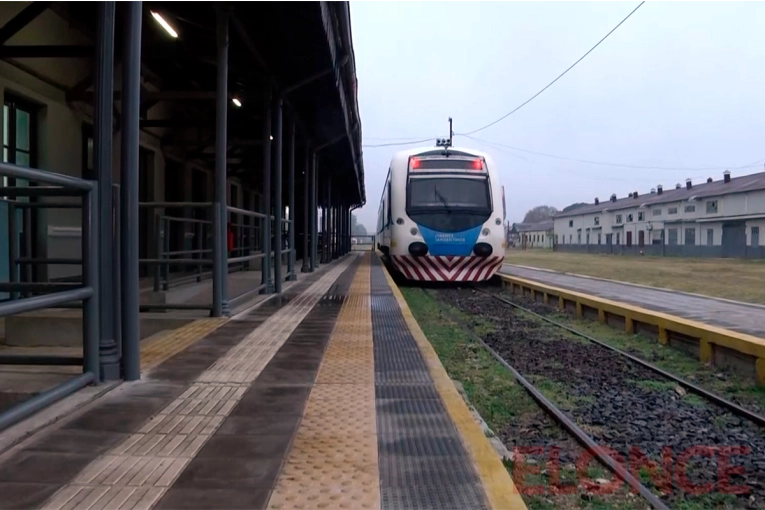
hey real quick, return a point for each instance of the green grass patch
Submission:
(723, 382)
(493, 391)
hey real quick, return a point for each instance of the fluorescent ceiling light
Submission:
(236, 102)
(271, 137)
(164, 24)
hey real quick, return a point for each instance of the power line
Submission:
(392, 144)
(754, 164)
(559, 76)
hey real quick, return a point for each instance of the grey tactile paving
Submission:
(422, 461)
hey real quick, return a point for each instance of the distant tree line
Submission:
(546, 212)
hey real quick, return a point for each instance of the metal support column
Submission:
(292, 225)
(266, 244)
(346, 236)
(90, 275)
(131, 99)
(220, 255)
(325, 224)
(313, 210)
(102, 146)
(307, 231)
(335, 232)
(278, 210)
(349, 230)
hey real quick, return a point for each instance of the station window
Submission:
(597, 220)
(690, 208)
(629, 218)
(710, 237)
(672, 236)
(618, 219)
(755, 237)
(656, 212)
(690, 236)
(641, 216)
(672, 210)
(712, 207)
(570, 223)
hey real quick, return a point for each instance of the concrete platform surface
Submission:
(740, 317)
(326, 397)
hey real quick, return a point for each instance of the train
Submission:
(441, 215)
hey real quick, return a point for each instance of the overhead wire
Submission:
(392, 144)
(753, 164)
(559, 76)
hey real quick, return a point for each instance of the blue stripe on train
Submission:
(450, 243)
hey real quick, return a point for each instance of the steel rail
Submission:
(717, 399)
(581, 436)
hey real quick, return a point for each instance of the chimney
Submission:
(709, 179)
(688, 184)
(653, 190)
(634, 194)
(613, 197)
(597, 201)
(677, 186)
(726, 176)
(659, 189)
(630, 195)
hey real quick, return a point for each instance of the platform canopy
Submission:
(300, 50)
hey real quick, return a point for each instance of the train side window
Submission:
(504, 208)
(390, 216)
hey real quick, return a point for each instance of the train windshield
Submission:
(449, 193)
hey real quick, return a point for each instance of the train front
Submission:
(456, 207)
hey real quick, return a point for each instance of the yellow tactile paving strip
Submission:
(333, 461)
(162, 347)
(136, 473)
(500, 489)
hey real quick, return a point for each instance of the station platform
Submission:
(735, 316)
(328, 396)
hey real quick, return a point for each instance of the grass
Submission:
(681, 364)
(736, 279)
(494, 393)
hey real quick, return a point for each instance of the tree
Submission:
(357, 229)
(539, 213)
(574, 206)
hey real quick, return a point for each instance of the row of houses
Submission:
(716, 218)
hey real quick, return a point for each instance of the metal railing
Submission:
(246, 227)
(363, 243)
(22, 298)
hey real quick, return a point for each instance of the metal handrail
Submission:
(87, 291)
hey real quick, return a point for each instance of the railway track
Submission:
(628, 406)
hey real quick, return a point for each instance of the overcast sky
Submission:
(679, 84)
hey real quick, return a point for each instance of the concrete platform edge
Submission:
(708, 336)
(638, 285)
(497, 482)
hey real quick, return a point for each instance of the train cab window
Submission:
(449, 193)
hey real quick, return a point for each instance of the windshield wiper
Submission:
(443, 201)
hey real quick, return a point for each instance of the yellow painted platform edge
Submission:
(742, 342)
(497, 482)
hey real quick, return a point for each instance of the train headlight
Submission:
(399, 221)
(418, 249)
(498, 221)
(483, 249)
(414, 231)
(485, 232)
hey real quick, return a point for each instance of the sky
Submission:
(678, 86)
